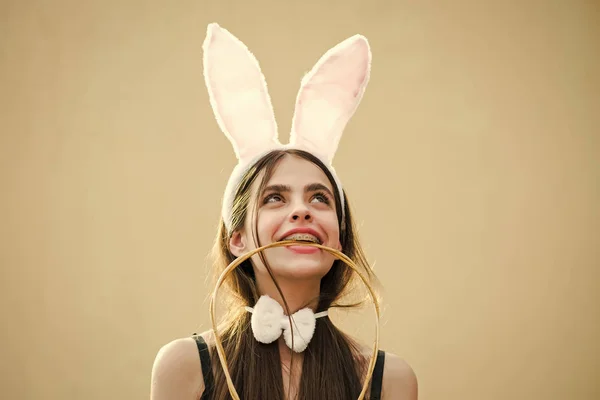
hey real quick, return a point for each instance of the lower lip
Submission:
(303, 249)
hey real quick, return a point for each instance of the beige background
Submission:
(472, 166)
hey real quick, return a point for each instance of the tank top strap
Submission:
(206, 365)
(377, 379)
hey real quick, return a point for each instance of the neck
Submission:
(298, 293)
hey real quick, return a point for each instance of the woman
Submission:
(277, 337)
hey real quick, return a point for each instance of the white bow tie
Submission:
(268, 321)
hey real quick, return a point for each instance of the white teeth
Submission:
(304, 237)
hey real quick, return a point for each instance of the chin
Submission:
(303, 271)
(301, 266)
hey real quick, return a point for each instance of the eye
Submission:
(321, 197)
(272, 198)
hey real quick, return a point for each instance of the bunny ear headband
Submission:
(328, 97)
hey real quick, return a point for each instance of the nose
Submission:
(301, 213)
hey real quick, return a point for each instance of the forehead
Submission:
(292, 170)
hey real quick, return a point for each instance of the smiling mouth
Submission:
(303, 237)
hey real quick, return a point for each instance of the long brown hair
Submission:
(333, 367)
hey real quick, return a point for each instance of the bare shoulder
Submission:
(399, 379)
(176, 372)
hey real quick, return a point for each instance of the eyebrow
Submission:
(312, 187)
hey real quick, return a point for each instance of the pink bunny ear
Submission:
(329, 96)
(238, 94)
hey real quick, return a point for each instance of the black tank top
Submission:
(209, 379)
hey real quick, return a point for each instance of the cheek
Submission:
(268, 224)
(333, 231)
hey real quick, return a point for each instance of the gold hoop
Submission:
(340, 256)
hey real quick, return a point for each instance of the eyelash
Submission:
(324, 197)
(270, 196)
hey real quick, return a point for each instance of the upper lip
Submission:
(302, 230)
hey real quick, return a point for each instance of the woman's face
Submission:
(296, 203)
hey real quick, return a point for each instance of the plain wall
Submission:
(471, 165)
